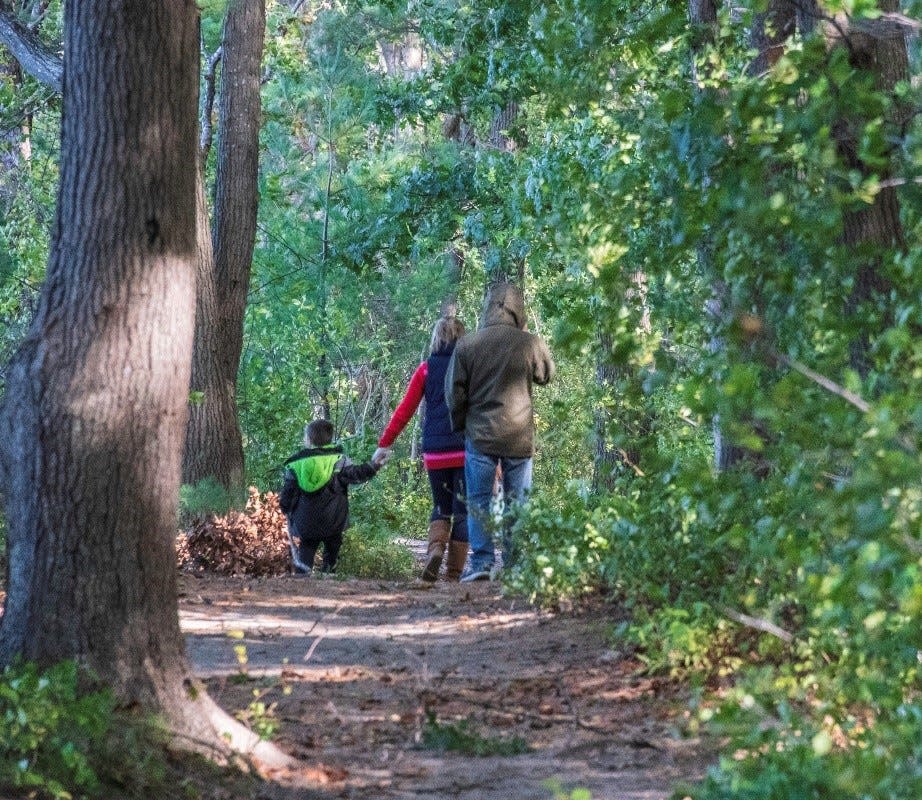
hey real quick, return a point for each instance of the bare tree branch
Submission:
(32, 54)
(893, 182)
(831, 386)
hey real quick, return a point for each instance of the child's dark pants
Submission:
(331, 545)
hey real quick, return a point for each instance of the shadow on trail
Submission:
(352, 676)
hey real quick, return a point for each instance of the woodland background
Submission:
(714, 210)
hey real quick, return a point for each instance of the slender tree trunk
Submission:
(214, 446)
(323, 407)
(606, 461)
(94, 412)
(702, 15)
(211, 431)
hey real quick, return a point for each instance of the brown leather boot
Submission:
(439, 531)
(457, 555)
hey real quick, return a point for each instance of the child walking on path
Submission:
(443, 452)
(315, 496)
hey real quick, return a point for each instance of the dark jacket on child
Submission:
(315, 492)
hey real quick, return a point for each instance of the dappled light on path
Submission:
(354, 677)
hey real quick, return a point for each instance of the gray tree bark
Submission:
(214, 446)
(94, 413)
(32, 55)
(95, 409)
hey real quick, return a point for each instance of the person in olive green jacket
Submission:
(488, 388)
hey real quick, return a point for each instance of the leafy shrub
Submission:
(782, 753)
(394, 505)
(397, 500)
(690, 644)
(58, 740)
(371, 552)
(561, 545)
(206, 498)
(48, 729)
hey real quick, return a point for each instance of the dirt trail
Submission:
(356, 668)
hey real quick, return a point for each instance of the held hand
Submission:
(381, 457)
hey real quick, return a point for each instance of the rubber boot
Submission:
(439, 531)
(457, 555)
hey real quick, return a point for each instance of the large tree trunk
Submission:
(94, 412)
(770, 31)
(93, 417)
(882, 51)
(214, 445)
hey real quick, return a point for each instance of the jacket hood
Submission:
(313, 467)
(503, 305)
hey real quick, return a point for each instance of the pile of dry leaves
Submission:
(249, 542)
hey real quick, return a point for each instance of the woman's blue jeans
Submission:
(479, 473)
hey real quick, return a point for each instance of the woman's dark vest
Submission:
(438, 437)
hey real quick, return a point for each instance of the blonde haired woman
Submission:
(443, 452)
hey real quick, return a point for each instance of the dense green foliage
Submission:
(641, 193)
(60, 738)
(686, 233)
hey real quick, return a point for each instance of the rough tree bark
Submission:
(214, 446)
(94, 411)
(770, 31)
(29, 50)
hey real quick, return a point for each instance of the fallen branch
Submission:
(763, 625)
(313, 647)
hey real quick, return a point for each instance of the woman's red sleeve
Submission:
(407, 408)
